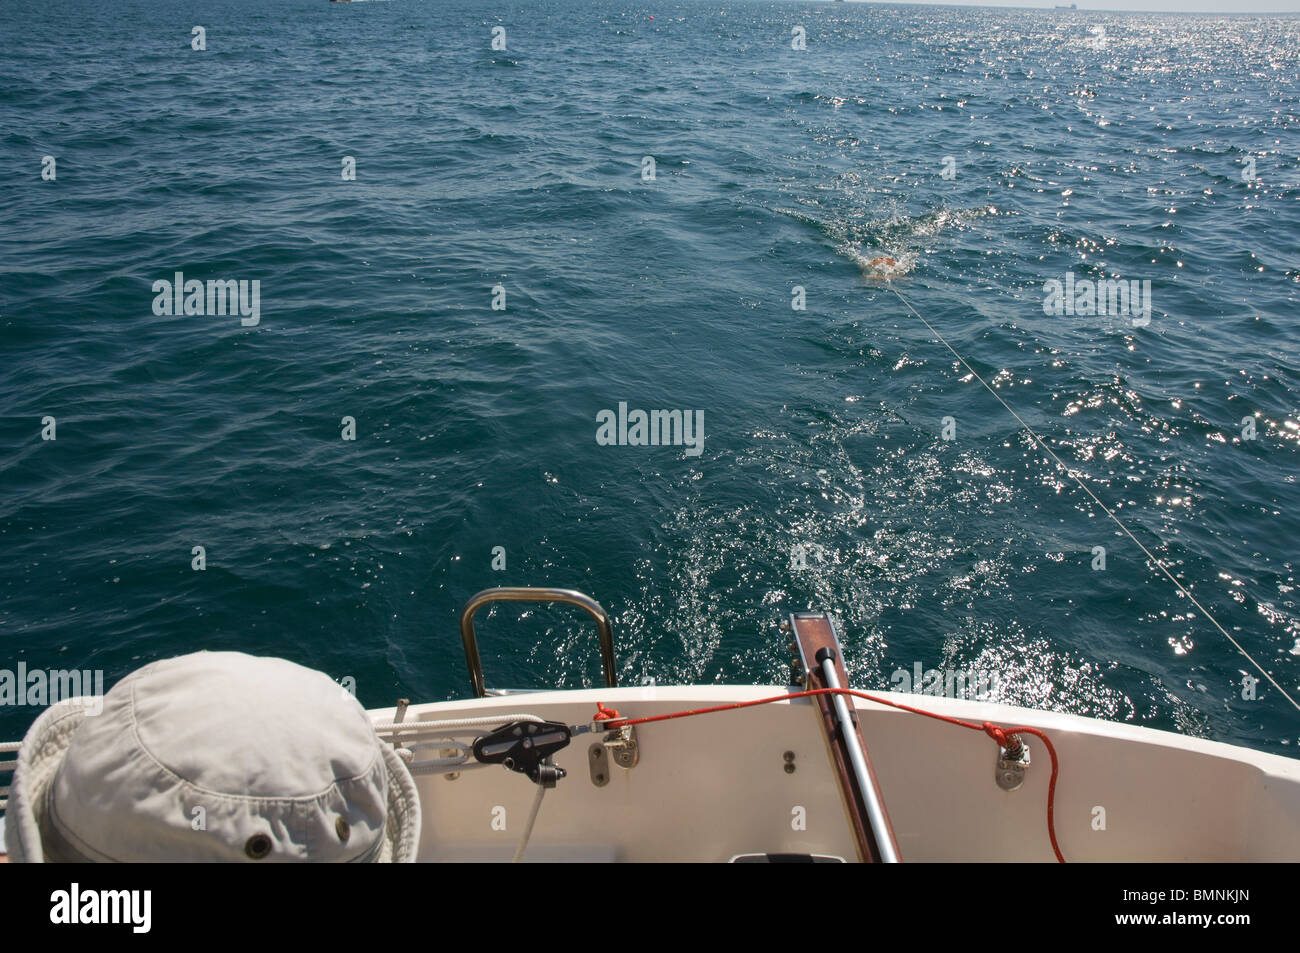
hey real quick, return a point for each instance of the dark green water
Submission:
(476, 428)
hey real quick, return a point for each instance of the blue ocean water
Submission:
(1141, 147)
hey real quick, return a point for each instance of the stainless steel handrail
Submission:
(530, 594)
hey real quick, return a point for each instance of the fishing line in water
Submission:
(1106, 509)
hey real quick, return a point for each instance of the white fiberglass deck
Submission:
(710, 787)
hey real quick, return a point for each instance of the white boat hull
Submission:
(710, 787)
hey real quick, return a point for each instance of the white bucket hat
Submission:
(215, 756)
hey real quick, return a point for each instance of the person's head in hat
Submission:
(215, 756)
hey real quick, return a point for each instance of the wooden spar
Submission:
(814, 631)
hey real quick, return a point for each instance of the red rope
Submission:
(610, 719)
(605, 714)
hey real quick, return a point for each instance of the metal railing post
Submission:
(530, 594)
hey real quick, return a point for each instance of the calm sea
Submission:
(622, 205)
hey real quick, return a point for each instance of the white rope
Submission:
(1105, 508)
(443, 766)
(460, 746)
(528, 830)
(8, 746)
(415, 727)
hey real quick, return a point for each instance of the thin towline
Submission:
(1118, 522)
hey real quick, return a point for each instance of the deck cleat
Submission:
(622, 747)
(1013, 762)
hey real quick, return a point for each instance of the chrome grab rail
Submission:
(531, 594)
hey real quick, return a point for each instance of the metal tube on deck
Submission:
(870, 796)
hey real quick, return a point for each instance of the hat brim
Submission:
(46, 744)
(402, 834)
(42, 751)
